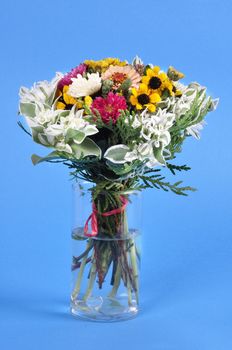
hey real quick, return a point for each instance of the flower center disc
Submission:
(109, 108)
(143, 99)
(154, 83)
(119, 77)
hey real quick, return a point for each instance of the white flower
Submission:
(45, 116)
(194, 130)
(85, 86)
(40, 92)
(144, 153)
(155, 134)
(155, 127)
(75, 121)
(55, 130)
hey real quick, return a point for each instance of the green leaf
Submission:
(51, 156)
(27, 109)
(120, 169)
(158, 154)
(50, 99)
(76, 135)
(116, 154)
(87, 148)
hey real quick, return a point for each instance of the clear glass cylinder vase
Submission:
(106, 249)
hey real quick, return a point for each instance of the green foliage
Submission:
(24, 129)
(125, 132)
(106, 87)
(196, 113)
(157, 181)
(173, 168)
(117, 153)
(199, 108)
(124, 88)
(50, 157)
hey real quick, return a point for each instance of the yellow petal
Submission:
(145, 79)
(133, 100)
(149, 72)
(88, 100)
(139, 106)
(69, 100)
(60, 105)
(143, 88)
(79, 104)
(65, 88)
(134, 92)
(156, 69)
(178, 93)
(155, 98)
(163, 76)
(151, 107)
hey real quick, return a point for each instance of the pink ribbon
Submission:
(93, 217)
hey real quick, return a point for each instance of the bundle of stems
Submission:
(113, 249)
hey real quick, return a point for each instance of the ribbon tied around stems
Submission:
(95, 212)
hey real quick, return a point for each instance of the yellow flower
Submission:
(143, 97)
(157, 81)
(66, 101)
(69, 100)
(88, 101)
(60, 105)
(102, 65)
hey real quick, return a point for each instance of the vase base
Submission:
(101, 309)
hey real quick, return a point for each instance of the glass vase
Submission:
(106, 237)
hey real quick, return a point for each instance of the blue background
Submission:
(187, 256)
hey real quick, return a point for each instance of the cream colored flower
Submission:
(81, 86)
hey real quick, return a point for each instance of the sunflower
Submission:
(158, 81)
(143, 97)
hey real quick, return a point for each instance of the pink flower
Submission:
(119, 74)
(67, 79)
(109, 107)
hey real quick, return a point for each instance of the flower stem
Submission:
(92, 277)
(129, 293)
(117, 279)
(134, 268)
(133, 259)
(80, 274)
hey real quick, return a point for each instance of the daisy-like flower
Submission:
(67, 79)
(158, 81)
(119, 74)
(81, 86)
(143, 97)
(110, 107)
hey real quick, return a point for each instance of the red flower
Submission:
(67, 79)
(109, 107)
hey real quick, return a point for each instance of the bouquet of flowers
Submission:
(116, 125)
